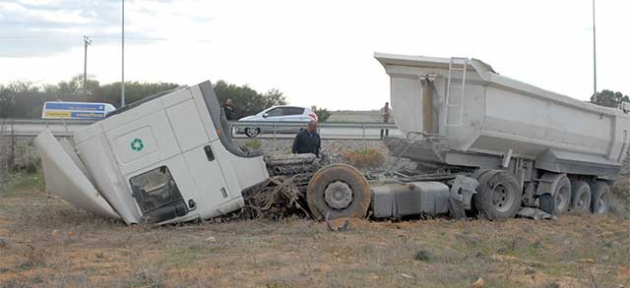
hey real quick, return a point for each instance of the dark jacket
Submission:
(307, 143)
(229, 112)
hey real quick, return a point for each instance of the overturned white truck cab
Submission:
(166, 158)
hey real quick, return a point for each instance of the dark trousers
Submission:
(384, 131)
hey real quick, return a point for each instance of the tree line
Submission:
(25, 100)
(609, 98)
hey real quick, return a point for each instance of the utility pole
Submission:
(86, 42)
(122, 83)
(594, 56)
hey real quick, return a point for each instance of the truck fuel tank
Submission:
(415, 198)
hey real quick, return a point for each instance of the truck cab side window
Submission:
(157, 195)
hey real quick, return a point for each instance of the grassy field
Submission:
(46, 243)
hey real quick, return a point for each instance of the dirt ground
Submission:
(46, 243)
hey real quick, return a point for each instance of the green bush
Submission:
(366, 158)
(253, 144)
(322, 113)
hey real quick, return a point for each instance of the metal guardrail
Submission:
(268, 129)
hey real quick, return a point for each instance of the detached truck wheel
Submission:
(600, 200)
(498, 195)
(339, 190)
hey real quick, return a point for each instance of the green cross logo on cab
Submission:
(137, 145)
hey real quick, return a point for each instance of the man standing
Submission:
(385, 111)
(228, 109)
(307, 141)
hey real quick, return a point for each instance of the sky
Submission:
(316, 52)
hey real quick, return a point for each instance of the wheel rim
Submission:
(583, 201)
(562, 198)
(502, 198)
(602, 206)
(338, 195)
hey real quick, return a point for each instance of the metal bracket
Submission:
(507, 158)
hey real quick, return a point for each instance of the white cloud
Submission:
(59, 16)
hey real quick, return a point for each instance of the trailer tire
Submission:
(562, 195)
(338, 190)
(600, 200)
(580, 196)
(498, 195)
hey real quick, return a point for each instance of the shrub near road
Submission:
(364, 158)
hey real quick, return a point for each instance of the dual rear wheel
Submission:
(577, 195)
(499, 195)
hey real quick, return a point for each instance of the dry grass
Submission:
(253, 144)
(54, 245)
(364, 158)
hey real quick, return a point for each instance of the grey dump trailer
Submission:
(525, 146)
(484, 144)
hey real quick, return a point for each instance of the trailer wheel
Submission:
(338, 190)
(600, 200)
(562, 195)
(498, 195)
(580, 196)
(252, 132)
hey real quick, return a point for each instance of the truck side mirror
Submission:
(265, 115)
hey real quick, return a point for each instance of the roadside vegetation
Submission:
(364, 158)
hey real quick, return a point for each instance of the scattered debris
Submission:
(4, 243)
(552, 284)
(479, 283)
(424, 255)
(211, 239)
(406, 276)
(590, 261)
(535, 213)
(278, 198)
(530, 271)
